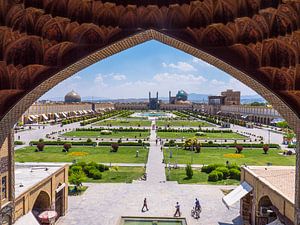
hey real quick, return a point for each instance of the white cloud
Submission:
(76, 77)
(119, 77)
(182, 66)
(172, 77)
(99, 81)
(217, 82)
(217, 86)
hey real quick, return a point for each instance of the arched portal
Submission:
(44, 42)
(42, 203)
(266, 211)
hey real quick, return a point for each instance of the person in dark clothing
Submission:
(197, 205)
(177, 212)
(145, 205)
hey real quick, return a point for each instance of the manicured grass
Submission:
(116, 134)
(215, 155)
(185, 123)
(124, 123)
(180, 135)
(125, 154)
(199, 177)
(121, 175)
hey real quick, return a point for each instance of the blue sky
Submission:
(150, 66)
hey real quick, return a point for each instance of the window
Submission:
(4, 189)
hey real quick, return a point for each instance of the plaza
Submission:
(115, 197)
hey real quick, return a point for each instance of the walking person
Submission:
(197, 205)
(177, 212)
(145, 205)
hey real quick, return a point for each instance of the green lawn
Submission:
(116, 134)
(121, 175)
(125, 154)
(215, 155)
(180, 135)
(185, 123)
(198, 178)
(124, 123)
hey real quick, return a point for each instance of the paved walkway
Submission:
(155, 168)
(104, 204)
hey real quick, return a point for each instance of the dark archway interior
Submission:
(42, 203)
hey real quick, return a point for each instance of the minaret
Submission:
(157, 95)
(170, 97)
(149, 95)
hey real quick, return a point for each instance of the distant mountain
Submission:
(193, 97)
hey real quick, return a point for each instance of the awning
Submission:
(45, 117)
(275, 222)
(29, 118)
(33, 117)
(85, 111)
(60, 188)
(239, 192)
(75, 112)
(277, 120)
(244, 116)
(63, 114)
(56, 115)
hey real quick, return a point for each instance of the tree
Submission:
(239, 149)
(266, 148)
(77, 178)
(189, 171)
(67, 146)
(114, 147)
(190, 143)
(40, 146)
(282, 124)
(198, 148)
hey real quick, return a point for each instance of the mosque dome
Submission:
(72, 97)
(181, 96)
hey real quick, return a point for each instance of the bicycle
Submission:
(195, 213)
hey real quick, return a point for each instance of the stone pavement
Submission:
(155, 168)
(104, 204)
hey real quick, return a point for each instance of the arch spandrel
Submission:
(44, 42)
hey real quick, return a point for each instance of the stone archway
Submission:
(266, 214)
(42, 203)
(44, 42)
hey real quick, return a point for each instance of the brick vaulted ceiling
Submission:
(39, 38)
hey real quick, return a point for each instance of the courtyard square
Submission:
(104, 204)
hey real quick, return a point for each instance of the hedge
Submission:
(230, 145)
(76, 143)
(193, 130)
(291, 146)
(113, 129)
(124, 144)
(235, 174)
(19, 143)
(101, 117)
